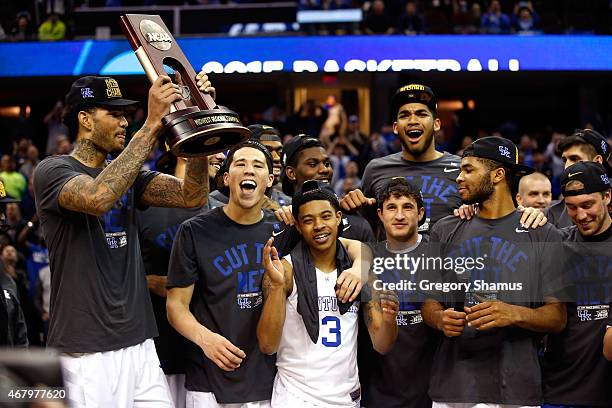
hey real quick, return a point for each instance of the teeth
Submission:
(248, 184)
(415, 133)
(321, 236)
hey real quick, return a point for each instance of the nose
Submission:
(275, 156)
(581, 214)
(123, 123)
(399, 215)
(459, 178)
(323, 168)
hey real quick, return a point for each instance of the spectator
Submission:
(44, 297)
(27, 204)
(351, 176)
(466, 18)
(410, 22)
(375, 147)
(335, 124)
(20, 151)
(55, 127)
(527, 148)
(354, 134)
(63, 145)
(30, 162)
(23, 30)
(524, 18)
(14, 220)
(377, 21)
(14, 182)
(52, 29)
(465, 142)
(309, 118)
(494, 21)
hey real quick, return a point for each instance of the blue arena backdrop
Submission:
(321, 54)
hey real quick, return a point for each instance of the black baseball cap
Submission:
(499, 149)
(414, 93)
(97, 91)
(313, 190)
(290, 149)
(593, 138)
(592, 175)
(264, 133)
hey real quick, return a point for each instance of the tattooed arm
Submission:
(96, 196)
(277, 286)
(380, 318)
(169, 191)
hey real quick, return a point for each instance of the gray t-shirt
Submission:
(498, 365)
(99, 296)
(557, 215)
(436, 178)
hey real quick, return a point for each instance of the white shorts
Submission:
(196, 399)
(283, 398)
(477, 405)
(178, 392)
(124, 378)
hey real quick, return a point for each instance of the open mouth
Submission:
(248, 185)
(321, 238)
(216, 165)
(414, 135)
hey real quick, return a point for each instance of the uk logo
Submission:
(584, 315)
(87, 93)
(604, 147)
(605, 179)
(504, 151)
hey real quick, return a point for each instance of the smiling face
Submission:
(415, 127)
(400, 217)
(276, 150)
(313, 164)
(107, 128)
(318, 223)
(215, 161)
(474, 181)
(589, 212)
(248, 177)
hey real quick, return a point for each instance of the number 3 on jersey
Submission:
(333, 324)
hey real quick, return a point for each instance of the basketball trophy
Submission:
(191, 131)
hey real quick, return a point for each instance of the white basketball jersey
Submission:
(325, 373)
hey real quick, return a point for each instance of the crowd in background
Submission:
(23, 252)
(52, 20)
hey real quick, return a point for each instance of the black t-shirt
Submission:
(574, 371)
(386, 379)
(156, 230)
(498, 365)
(436, 179)
(557, 215)
(99, 295)
(224, 261)
(357, 228)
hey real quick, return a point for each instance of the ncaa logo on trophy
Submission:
(201, 129)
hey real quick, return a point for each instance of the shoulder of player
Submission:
(51, 162)
(390, 159)
(447, 223)
(568, 233)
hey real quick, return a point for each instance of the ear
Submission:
(499, 175)
(598, 158)
(379, 212)
(607, 197)
(270, 180)
(226, 179)
(297, 227)
(437, 124)
(85, 120)
(421, 213)
(395, 127)
(290, 171)
(519, 199)
(338, 218)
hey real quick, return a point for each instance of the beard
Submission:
(482, 193)
(416, 150)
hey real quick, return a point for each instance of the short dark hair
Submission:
(307, 144)
(494, 164)
(70, 118)
(255, 145)
(400, 187)
(577, 140)
(315, 196)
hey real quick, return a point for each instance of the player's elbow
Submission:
(173, 310)
(196, 202)
(267, 344)
(267, 348)
(559, 321)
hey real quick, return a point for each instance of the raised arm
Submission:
(216, 347)
(380, 316)
(96, 196)
(277, 286)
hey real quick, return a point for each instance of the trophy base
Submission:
(193, 132)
